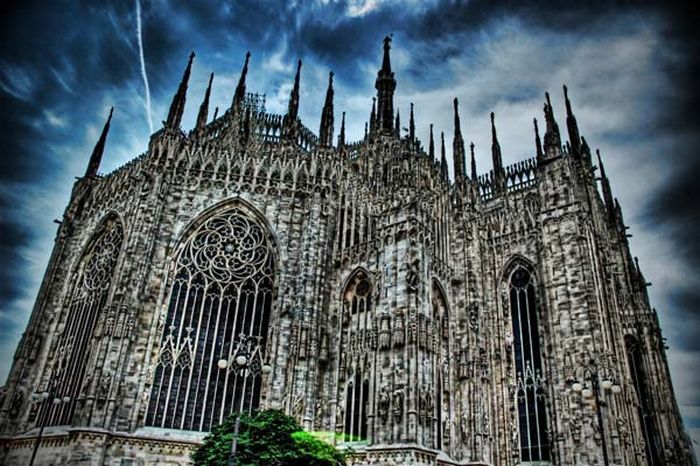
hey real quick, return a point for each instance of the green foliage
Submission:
(267, 438)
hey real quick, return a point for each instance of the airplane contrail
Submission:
(143, 66)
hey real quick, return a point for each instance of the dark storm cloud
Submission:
(62, 63)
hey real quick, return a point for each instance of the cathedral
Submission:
(492, 318)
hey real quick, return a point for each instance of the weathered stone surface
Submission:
(390, 286)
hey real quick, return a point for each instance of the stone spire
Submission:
(411, 126)
(572, 126)
(326, 130)
(96, 157)
(177, 107)
(290, 119)
(538, 142)
(293, 108)
(499, 175)
(239, 94)
(397, 125)
(552, 139)
(431, 145)
(458, 148)
(341, 136)
(373, 117)
(473, 174)
(607, 192)
(443, 157)
(204, 108)
(385, 85)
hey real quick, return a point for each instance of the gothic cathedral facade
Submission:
(493, 319)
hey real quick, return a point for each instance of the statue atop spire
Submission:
(326, 130)
(177, 107)
(572, 126)
(99, 149)
(385, 85)
(239, 94)
(552, 139)
(204, 108)
(458, 148)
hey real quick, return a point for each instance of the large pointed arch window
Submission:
(219, 304)
(530, 392)
(90, 287)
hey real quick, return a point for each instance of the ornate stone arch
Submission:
(221, 292)
(357, 334)
(519, 278)
(90, 289)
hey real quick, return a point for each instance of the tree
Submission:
(266, 438)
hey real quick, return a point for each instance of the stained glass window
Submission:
(219, 305)
(530, 392)
(90, 287)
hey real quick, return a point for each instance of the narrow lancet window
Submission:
(90, 284)
(530, 392)
(219, 308)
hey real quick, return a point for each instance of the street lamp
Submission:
(40, 398)
(245, 353)
(592, 386)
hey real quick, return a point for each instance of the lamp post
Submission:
(591, 387)
(243, 358)
(40, 398)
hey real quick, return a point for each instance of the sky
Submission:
(630, 68)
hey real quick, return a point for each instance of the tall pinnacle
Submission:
(293, 109)
(552, 139)
(239, 94)
(431, 144)
(373, 117)
(177, 107)
(538, 142)
(341, 136)
(471, 149)
(385, 85)
(411, 126)
(443, 156)
(496, 154)
(290, 119)
(99, 149)
(607, 192)
(397, 125)
(326, 130)
(572, 126)
(204, 108)
(458, 148)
